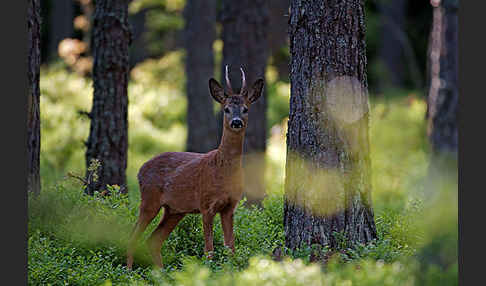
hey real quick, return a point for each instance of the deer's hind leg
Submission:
(166, 226)
(149, 208)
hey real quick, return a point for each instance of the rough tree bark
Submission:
(245, 44)
(199, 35)
(327, 184)
(108, 138)
(33, 107)
(60, 24)
(443, 87)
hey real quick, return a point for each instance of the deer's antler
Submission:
(243, 81)
(228, 83)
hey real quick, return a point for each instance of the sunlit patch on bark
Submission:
(346, 99)
(317, 190)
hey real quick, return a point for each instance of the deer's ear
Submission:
(216, 90)
(256, 90)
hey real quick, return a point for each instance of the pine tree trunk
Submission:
(245, 45)
(327, 185)
(33, 107)
(60, 24)
(199, 35)
(138, 49)
(108, 138)
(443, 87)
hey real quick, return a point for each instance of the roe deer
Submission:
(186, 182)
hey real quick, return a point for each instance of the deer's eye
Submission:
(226, 110)
(245, 110)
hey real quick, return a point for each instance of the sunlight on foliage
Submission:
(156, 113)
(398, 150)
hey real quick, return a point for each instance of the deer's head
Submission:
(236, 105)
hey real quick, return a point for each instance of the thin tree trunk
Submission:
(108, 138)
(33, 107)
(327, 185)
(60, 24)
(245, 44)
(199, 35)
(443, 87)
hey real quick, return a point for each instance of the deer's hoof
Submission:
(230, 248)
(209, 255)
(129, 264)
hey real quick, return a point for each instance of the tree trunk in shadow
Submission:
(392, 16)
(33, 96)
(443, 93)
(245, 44)
(199, 35)
(60, 25)
(278, 36)
(108, 135)
(138, 50)
(441, 186)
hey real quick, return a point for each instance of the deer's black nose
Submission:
(236, 123)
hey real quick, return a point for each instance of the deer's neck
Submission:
(230, 149)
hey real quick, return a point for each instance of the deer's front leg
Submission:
(227, 224)
(208, 233)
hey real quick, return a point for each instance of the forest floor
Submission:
(80, 240)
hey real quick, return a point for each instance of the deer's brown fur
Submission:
(185, 182)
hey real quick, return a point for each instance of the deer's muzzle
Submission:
(236, 123)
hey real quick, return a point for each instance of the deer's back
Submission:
(156, 171)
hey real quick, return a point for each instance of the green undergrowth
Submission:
(81, 240)
(76, 239)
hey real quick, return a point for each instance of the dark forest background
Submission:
(397, 35)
